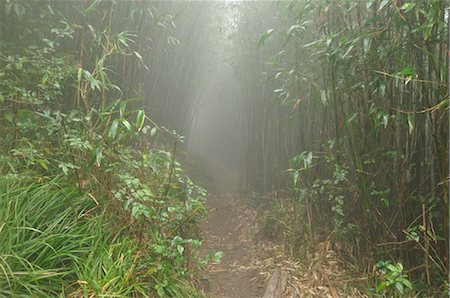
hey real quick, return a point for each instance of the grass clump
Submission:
(45, 229)
(56, 241)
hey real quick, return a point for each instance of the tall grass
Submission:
(53, 242)
(44, 231)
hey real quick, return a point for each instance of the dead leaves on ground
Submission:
(320, 273)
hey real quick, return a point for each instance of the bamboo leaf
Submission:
(122, 106)
(126, 124)
(153, 131)
(407, 283)
(140, 119)
(113, 129)
(384, 4)
(410, 119)
(264, 37)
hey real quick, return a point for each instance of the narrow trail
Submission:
(248, 265)
(230, 228)
(250, 260)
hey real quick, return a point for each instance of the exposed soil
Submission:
(229, 225)
(248, 263)
(231, 228)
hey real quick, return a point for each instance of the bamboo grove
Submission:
(92, 199)
(344, 114)
(352, 115)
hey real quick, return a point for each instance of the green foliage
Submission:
(46, 230)
(89, 205)
(365, 104)
(56, 240)
(393, 278)
(113, 269)
(331, 192)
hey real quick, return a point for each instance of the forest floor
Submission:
(250, 262)
(230, 228)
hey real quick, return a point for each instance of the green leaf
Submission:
(410, 123)
(295, 30)
(92, 6)
(140, 119)
(366, 45)
(98, 155)
(351, 118)
(173, 41)
(9, 116)
(180, 248)
(295, 177)
(122, 106)
(315, 43)
(136, 210)
(264, 37)
(392, 268)
(408, 6)
(385, 120)
(407, 283)
(406, 72)
(383, 4)
(126, 124)
(63, 168)
(43, 163)
(218, 257)
(153, 131)
(350, 48)
(381, 286)
(137, 55)
(113, 129)
(150, 271)
(399, 287)
(160, 291)
(438, 238)
(323, 97)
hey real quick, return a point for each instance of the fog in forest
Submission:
(295, 148)
(215, 130)
(212, 83)
(216, 133)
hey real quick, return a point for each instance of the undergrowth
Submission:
(58, 241)
(90, 205)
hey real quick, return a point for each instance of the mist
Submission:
(224, 148)
(209, 99)
(216, 133)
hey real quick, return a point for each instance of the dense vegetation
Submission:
(343, 109)
(92, 200)
(361, 129)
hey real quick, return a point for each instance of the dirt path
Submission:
(230, 228)
(248, 264)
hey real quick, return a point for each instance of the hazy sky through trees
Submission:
(217, 131)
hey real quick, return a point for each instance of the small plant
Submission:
(212, 257)
(393, 278)
(446, 288)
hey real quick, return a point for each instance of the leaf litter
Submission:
(249, 263)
